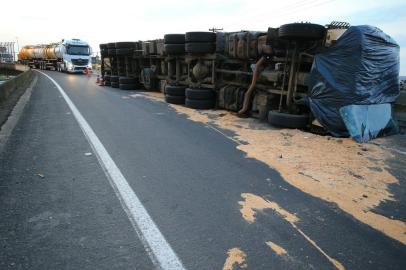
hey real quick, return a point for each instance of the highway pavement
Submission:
(103, 179)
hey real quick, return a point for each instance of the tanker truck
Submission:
(71, 56)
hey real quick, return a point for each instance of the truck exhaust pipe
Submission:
(247, 95)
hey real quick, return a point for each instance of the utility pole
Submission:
(18, 47)
(214, 29)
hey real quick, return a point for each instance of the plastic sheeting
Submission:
(361, 68)
(366, 122)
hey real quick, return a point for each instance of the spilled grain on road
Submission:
(353, 176)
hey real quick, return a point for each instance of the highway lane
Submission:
(57, 209)
(189, 178)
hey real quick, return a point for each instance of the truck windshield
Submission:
(78, 50)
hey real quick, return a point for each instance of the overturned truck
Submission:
(268, 75)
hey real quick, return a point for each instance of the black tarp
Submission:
(361, 68)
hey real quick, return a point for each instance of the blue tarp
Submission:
(366, 122)
(361, 68)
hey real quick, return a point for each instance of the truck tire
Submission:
(199, 104)
(107, 78)
(114, 78)
(107, 83)
(199, 94)
(173, 90)
(174, 39)
(200, 37)
(175, 99)
(174, 48)
(128, 86)
(125, 45)
(112, 52)
(111, 45)
(124, 51)
(115, 84)
(301, 31)
(200, 48)
(288, 120)
(127, 80)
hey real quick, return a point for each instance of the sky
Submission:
(46, 21)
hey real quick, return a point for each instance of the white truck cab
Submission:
(76, 55)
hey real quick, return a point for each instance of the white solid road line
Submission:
(158, 248)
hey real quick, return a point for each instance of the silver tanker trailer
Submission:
(72, 56)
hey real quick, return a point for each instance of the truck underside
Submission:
(261, 74)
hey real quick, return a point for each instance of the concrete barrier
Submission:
(20, 81)
(400, 109)
(18, 67)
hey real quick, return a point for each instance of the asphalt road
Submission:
(58, 209)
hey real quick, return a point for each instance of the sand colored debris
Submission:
(276, 248)
(235, 257)
(253, 202)
(341, 171)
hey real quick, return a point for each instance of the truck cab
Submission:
(76, 56)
